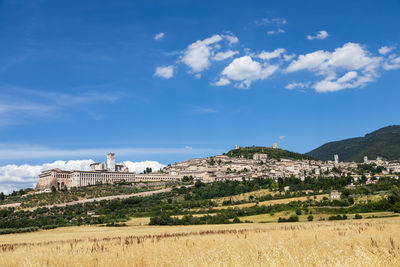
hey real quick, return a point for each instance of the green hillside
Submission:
(384, 143)
(274, 153)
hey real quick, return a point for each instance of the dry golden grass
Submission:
(345, 243)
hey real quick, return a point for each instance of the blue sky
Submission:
(171, 80)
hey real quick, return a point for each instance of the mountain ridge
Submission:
(384, 143)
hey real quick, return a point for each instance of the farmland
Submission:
(366, 242)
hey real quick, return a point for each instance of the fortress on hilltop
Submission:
(100, 173)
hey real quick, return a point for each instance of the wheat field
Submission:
(373, 242)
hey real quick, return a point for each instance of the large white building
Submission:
(100, 173)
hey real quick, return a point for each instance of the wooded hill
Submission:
(384, 143)
(273, 153)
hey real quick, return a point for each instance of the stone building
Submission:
(335, 195)
(100, 173)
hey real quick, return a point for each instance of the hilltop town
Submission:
(259, 165)
(240, 163)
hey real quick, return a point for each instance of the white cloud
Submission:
(165, 72)
(231, 38)
(281, 137)
(197, 55)
(139, 167)
(245, 71)
(221, 82)
(320, 35)
(349, 66)
(159, 36)
(331, 83)
(224, 55)
(393, 62)
(270, 55)
(277, 31)
(288, 57)
(386, 49)
(309, 61)
(294, 85)
(14, 177)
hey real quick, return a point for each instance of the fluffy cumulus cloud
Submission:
(159, 36)
(245, 70)
(14, 177)
(224, 55)
(319, 35)
(197, 56)
(270, 55)
(165, 72)
(349, 66)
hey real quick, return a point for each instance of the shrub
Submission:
(357, 216)
(236, 220)
(293, 218)
(338, 217)
(310, 218)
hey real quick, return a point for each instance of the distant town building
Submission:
(236, 147)
(109, 166)
(258, 156)
(365, 159)
(335, 195)
(275, 145)
(286, 188)
(336, 158)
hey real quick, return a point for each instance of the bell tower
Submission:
(111, 162)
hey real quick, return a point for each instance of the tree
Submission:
(148, 170)
(199, 184)
(53, 189)
(2, 196)
(394, 195)
(310, 218)
(187, 178)
(236, 220)
(298, 211)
